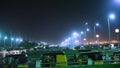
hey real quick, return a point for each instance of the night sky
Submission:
(54, 20)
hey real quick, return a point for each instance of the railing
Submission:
(37, 63)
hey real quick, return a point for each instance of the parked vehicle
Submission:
(54, 59)
(16, 61)
(90, 58)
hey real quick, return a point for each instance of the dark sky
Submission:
(54, 20)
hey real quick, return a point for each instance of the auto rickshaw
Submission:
(16, 61)
(54, 59)
(90, 58)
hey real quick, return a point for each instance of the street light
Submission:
(87, 29)
(17, 39)
(117, 2)
(86, 23)
(75, 35)
(5, 38)
(76, 42)
(12, 39)
(84, 40)
(117, 32)
(0, 36)
(97, 36)
(82, 32)
(96, 25)
(20, 40)
(111, 16)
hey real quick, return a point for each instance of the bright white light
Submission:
(82, 32)
(5, 37)
(112, 46)
(117, 1)
(97, 24)
(97, 36)
(69, 38)
(21, 40)
(0, 35)
(112, 16)
(84, 39)
(17, 39)
(116, 30)
(87, 29)
(12, 39)
(76, 41)
(66, 40)
(44, 43)
(75, 34)
(86, 23)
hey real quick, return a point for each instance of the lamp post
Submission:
(111, 16)
(5, 38)
(75, 36)
(0, 38)
(17, 41)
(84, 41)
(117, 32)
(97, 24)
(12, 39)
(81, 37)
(97, 36)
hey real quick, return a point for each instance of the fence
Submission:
(37, 63)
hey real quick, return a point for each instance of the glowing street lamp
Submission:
(0, 36)
(21, 40)
(12, 39)
(84, 39)
(17, 39)
(86, 23)
(96, 25)
(82, 32)
(111, 16)
(117, 2)
(97, 36)
(5, 38)
(75, 34)
(117, 32)
(76, 42)
(87, 29)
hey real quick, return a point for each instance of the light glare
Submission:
(5, 37)
(82, 32)
(12, 39)
(97, 36)
(112, 16)
(88, 29)
(17, 39)
(97, 24)
(75, 34)
(116, 30)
